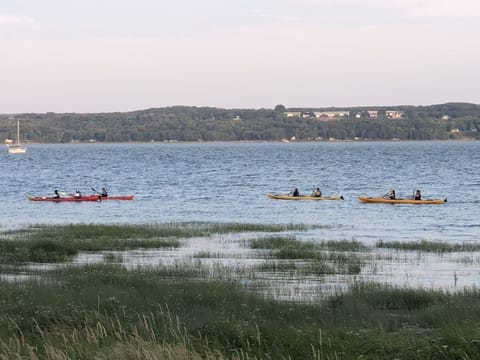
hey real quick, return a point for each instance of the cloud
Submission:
(409, 9)
(269, 17)
(460, 9)
(13, 19)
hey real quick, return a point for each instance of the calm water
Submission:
(229, 182)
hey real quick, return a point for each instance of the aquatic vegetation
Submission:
(58, 243)
(282, 300)
(280, 242)
(112, 257)
(205, 255)
(273, 242)
(278, 266)
(316, 259)
(344, 245)
(428, 246)
(46, 243)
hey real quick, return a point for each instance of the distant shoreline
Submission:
(248, 141)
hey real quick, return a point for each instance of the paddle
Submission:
(100, 193)
(387, 195)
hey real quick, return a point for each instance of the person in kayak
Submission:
(317, 193)
(104, 192)
(391, 194)
(294, 192)
(57, 195)
(77, 195)
(418, 195)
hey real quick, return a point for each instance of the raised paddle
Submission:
(99, 193)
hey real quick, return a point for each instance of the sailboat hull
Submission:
(17, 149)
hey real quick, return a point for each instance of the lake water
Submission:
(229, 181)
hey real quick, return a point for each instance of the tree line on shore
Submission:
(188, 123)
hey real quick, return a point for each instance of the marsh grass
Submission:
(272, 242)
(282, 242)
(428, 246)
(109, 338)
(297, 268)
(206, 255)
(278, 266)
(344, 245)
(107, 312)
(318, 260)
(185, 311)
(112, 257)
(62, 243)
(59, 243)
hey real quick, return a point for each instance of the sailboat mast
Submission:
(17, 148)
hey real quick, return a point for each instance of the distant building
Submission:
(307, 115)
(394, 114)
(323, 117)
(292, 114)
(331, 115)
(335, 115)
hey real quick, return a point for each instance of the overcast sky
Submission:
(121, 55)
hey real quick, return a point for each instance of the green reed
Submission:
(61, 243)
(112, 257)
(318, 261)
(428, 246)
(343, 245)
(107, 312)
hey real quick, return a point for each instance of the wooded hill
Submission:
(185, 123)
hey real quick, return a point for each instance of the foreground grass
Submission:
(58, 243)
(106, 312)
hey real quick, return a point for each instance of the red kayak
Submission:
(123, 197)
(94, 198)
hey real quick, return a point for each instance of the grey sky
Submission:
(105, 55)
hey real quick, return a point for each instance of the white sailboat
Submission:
(17, 148)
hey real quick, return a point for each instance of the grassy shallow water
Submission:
(202, 310)
(315, 260)
(47, 243)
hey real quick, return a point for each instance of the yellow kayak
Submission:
(303, 197)
(366, 199)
